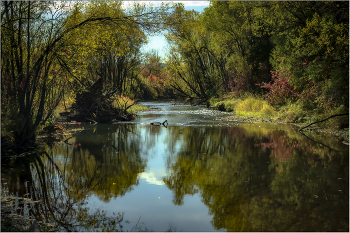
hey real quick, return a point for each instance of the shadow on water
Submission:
(251, 177)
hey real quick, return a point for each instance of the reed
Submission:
(255, 107)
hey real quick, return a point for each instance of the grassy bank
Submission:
(252, 106)
(246, 106)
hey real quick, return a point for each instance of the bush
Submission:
(280, 90)
(292, 113)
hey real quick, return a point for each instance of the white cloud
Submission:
(154, 177)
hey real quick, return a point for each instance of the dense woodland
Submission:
(292, 55)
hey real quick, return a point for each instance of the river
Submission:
(199, 173)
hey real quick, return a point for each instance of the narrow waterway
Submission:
(199, 173)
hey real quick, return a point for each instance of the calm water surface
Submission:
(197, 174)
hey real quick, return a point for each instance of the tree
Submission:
(106, 50)
(245, 41)
(311, 42)
(198, 69)
(154, 80)
(30, 54)
(37, 38)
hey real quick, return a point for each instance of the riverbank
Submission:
(250, 108)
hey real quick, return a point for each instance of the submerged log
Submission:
(165, 123)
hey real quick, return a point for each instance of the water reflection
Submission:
(260, 179)
(252, 177)
(105, 159)
(103, 162)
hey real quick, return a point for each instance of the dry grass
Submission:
(255, 107)
(125, 102)
(247, 106)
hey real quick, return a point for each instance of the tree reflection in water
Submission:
(250, 178)
(262, 180)
(63, 176)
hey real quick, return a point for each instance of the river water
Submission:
(199, 173)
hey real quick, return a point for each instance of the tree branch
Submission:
(344, 114)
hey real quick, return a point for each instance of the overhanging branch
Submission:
(344, 114)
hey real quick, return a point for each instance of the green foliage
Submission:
(138, 108)
(315, 51)
(322, 46)
(106, 50)
(292, 113)
(197, 68)
(32, 80)
(296, 113)
(243, 39)
(127, 104)
(229, 105)
(247, 105)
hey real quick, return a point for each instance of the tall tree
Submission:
(30, 52)
(197, 66)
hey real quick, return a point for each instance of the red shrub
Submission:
(280, 90)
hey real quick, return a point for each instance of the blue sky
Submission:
(159, 42)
